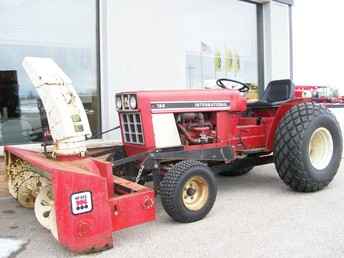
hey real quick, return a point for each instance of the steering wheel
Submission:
(244, 87)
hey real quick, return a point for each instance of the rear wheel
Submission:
(308, 147)
(236, 168)
(188, 191)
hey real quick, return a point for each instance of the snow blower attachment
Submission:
(75, 197)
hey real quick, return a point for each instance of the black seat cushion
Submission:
(275, 93)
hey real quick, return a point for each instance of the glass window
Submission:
(220, 42)
(62, 30)
(181, 44)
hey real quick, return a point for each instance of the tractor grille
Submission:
(132, 128)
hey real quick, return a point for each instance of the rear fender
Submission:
(280, 113)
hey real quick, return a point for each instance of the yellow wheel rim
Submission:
(195, 193)
(321, 148)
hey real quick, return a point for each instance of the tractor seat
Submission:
(276, 93)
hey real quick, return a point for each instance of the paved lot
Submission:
(254, 216)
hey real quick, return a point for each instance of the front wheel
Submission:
(188, 191)
(308, 147)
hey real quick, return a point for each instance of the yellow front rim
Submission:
(195, 193)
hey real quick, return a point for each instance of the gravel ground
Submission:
(254, 216)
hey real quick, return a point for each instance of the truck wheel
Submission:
(236, 168)
(308, 147)
(188, 191)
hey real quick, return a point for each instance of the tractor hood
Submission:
(181, 100)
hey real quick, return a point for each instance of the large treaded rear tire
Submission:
(292, 155)
(173, 187)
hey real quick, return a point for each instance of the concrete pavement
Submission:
(254, 216)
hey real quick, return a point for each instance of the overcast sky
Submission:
(319, 42)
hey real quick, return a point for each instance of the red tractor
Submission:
(178, 139)
(181, 138)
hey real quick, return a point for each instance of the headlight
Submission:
(118, 102)
(133, 102)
